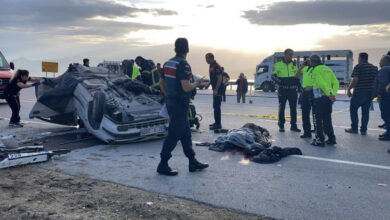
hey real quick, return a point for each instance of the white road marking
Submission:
(343, 162)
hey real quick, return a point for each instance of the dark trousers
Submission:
(322, 112)
(179, 129)
(14, 102)
(385, 110)
(306, 104)
(217, 109)
(290, 95)
(364, 101)
(382, 113)
(223, 92)
(241, 95)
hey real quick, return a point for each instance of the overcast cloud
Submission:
(343, 12)
(73, 16)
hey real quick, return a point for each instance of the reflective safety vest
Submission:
(324, 81)
(135, 73)
(151, 78)
(284, 70)
(284, 75)
(307, 77)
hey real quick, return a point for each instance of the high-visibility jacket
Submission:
(284, 70)
(307, 77)
(284, 75)
(324, 80)
(135, 73)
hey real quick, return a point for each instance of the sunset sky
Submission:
(240, 33)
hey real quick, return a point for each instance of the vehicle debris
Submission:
(26, 155)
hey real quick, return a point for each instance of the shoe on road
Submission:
(164, 169)
(195, 165)
(317, 143)
(305, 135)
(385, 138)
(330, 142)
(215, 127)
(351, 131)
(295, 128)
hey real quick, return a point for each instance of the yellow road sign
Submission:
(51, 67)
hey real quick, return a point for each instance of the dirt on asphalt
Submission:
(33, 193)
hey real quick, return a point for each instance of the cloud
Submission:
(205, 6)
(74, 17)
(343, 12)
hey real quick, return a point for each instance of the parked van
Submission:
(6, 73)
(340, 61)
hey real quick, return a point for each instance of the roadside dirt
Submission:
(34, 193)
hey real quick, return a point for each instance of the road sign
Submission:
(51, 67)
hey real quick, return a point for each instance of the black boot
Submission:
(195, 165)
(164, 169)
(295, 128)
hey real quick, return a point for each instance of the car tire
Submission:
(266, 87)
(96, 109)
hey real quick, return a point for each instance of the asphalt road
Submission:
(348, 181)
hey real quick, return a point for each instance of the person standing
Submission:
(382, 81)
(225, 81)
(284, 76)
(305, 70)
(363, 78)
(242, 88)
(325, 87)
(176, 85)
(11, 92)
(215, 72)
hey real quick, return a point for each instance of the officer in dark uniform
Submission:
(175, 84)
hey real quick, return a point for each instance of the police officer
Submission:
(305, 71)
(284, 75)
(175, 84)
(215, 72)
(325, 87)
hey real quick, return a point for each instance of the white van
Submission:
(340, 61)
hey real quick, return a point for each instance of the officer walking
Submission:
(325, 87)
(176, 85)
(305, 70)
(284, 75)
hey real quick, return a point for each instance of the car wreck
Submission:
(111, 106)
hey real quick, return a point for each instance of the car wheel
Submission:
(266, 87)
(96, 109)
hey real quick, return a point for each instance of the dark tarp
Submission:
(254, 141)
(61, 93)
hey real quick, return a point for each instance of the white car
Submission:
(111, 106)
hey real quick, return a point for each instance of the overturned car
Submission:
(111, 106)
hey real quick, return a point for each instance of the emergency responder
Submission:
(149, 72)
(215, 71)
(284, 76)
(86, 62)
(12, 93)
(305, 71)
(325, 87)
(175, 84)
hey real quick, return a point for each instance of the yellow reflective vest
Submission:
(325, 80)
(284, 70)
